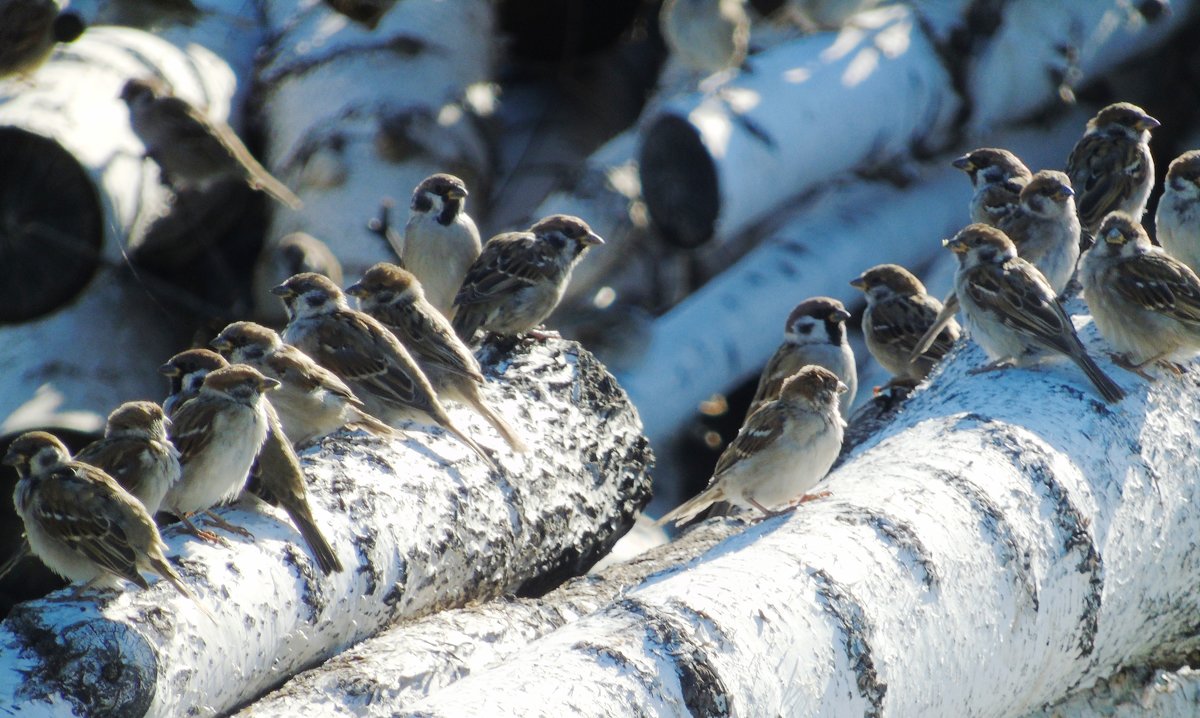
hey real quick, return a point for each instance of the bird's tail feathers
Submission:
(1108, 388)
(690, 508)
(162, 568)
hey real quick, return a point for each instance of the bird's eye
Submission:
(315, 300)
(254, 352)
(558, 241)
(805, 328)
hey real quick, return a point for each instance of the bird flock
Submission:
(237, 410)
(1034, 240)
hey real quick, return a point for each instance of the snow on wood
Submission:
(824, 104)
(722, 334)
(1010, 538)
(357, 116)
(420, 524)
(409, 661)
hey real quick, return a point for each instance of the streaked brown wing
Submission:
(509, 262)
(430, 339)
(1017, 295)
(294, 367)
(762, 428)
(1160, 284)
(190, 430)
(361, 351)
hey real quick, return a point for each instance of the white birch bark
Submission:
(420, 524)
(1010, 538)
(358, 116)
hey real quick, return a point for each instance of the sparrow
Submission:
(394, 296)
(218, 434)
(989, 167)
(898, 314)
(1011, 310)
(294, 253)
(362, 352)
(191, 149)
(1145, 302)
(706, 36)
(282, 479)
(814, 333)
(1111, 167)
(81, 523)
(1045, 227)
(782, 450)
(365, 12)
(29, 30)
(520, 277)
(440, 239)
(186, 371)
(311, 400)
(136, 452)
(1177, 221)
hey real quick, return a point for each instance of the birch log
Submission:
(420, 524)
(1009, 539)
(713, 164)
(359, 115)
(409, 661)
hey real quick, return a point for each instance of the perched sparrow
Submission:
(706, 36)
(1045, 227)
(136, 452)
(1111, 167)
(394, 297)
(186, 371)
(997, 175)
(362, 352)
(781, 452)
(283, 480)
(1145, 302)
(29, 30)
(520, 277)
(440, 240)
(294, 253)
(1178, 219)
(80, 522)
(366, 12)
(192, 149)
(218, 434)
(311, 400)
(1011, 310)
(815, 333)
(898, 314)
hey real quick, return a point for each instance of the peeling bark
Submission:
(420, 524)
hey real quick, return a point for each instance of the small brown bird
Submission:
(1145, 302)
(191, 149)
(1111, 167)
(136, 452)
(186, 371)
(1045, 227)
(365, 12)
(394, 297)
(782, 451)
(898, 314)
(1178, 219)
(520, 277)
(363, 353)
(311, 400)
(292, 254)
(440, 239)
(997, 175)
(29, 30)
(218, 434)
(1011, 309)
(81, 523)
(814, 333)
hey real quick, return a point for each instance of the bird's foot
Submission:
(208, 536)
(231, 528)
(1123, 361)
(542, 335)
(991, 366)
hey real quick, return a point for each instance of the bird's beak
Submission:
(1063, 193)
(842, 388)
(591, 238)
(457, 193)
(282, 290)
(964, 163)
(355, 290)
(267, 384)
(841, 315)
(859, 283)
(955, 245)
(220, 344)
(1114, 236)
(168, 370)
(1148, 123)
(12, 458)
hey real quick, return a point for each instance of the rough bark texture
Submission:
(1010, 538)
(420, 524)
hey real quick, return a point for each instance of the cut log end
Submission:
(679, 182)
(51, 226)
